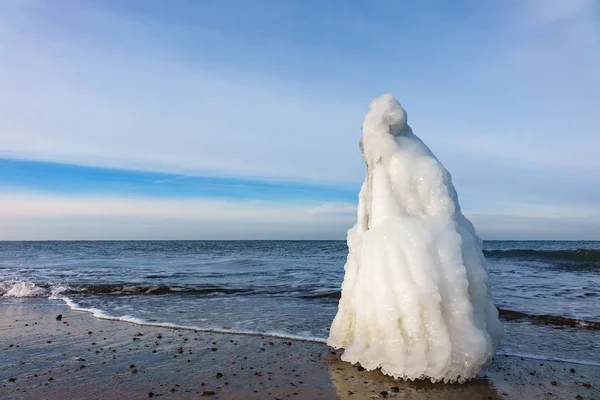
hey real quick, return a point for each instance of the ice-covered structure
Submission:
(416, 298)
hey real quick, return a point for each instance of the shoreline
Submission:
(82, 356)
(99, 314)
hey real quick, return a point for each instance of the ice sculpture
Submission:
(416, 298)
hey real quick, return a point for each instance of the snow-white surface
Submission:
(416, 298)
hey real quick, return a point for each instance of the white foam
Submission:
(21, 289)
(415, 299)
(57, 291)
(100, 314)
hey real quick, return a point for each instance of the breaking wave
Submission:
(581, 255)
(29, 289)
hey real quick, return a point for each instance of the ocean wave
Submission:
(581, 255)
(100, 314)
(336, 294)
(136, 289)
(30, 289)
(512, 315)
(21, 289)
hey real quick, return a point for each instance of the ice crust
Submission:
(416, 298)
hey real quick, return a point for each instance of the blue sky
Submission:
(240, 119)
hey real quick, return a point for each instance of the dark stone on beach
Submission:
(219, 375)
(572, 370)
(208, 393)
(587, 385)
(159, 337)
(214, 349)
(81, 366)
(180, 350)
(90, 332)
(59, 317)
(12, 379)
(132, 366)
(395, 389)
(360, 368)
(578, 397)
(150, 394)
(384, 394)
(553, 383)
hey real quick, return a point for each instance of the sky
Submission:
(235, 119)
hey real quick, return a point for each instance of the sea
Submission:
(547, 292)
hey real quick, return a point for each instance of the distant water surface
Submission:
(548, 291)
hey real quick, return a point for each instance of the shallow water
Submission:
(292, 287)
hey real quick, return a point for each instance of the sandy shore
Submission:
(81, 357)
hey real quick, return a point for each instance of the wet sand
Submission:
(81, 357)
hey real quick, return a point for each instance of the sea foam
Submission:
(21, 289)
(416, 298)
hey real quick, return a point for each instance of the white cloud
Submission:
(116, 91)
(64, 100)
(31, 216)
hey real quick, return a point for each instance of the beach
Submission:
(82, 357)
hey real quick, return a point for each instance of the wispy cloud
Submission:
(38, 216)
(147, 110)
(42, 216)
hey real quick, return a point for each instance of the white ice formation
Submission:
(416, 298)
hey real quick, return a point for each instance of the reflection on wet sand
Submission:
(353, 382)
